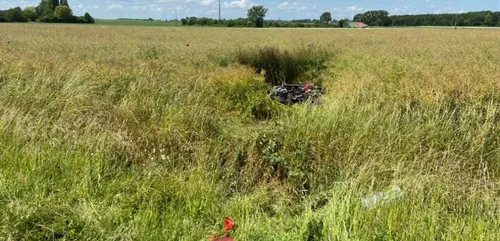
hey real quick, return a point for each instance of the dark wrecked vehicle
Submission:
(289, 94)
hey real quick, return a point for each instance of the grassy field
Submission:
(113, 133)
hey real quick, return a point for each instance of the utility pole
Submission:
(176, 21)
(456, 20)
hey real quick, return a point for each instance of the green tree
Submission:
(375, 18)
(192, 21)
(30, 13)
(53, 4)
(256, 14)
(2, 16)
(15, 15)
(43, 8)
(488, 20)
(326, 17)
(343, 23)
(64, 14)
(358, 17)
(88, 18)
(64, 3)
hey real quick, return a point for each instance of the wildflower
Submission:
(228, 224)
(228, 227)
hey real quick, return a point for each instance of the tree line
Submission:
(382, 18)
(243, 22)
(256, 14)
(50, 11)
(255, 18)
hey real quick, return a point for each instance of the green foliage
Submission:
(50, 18)
(15, 15)
(53, 11)
(64, 3)
(374, 18)
(288, 159)
(2, 16)
(483, 18)
(192, 21)
(314, 231)
(47, 7)
(136, 22)
(88, 18)
(52, 4)
(64, 14)
(242, 22)
(343, 23)
(199, 21)
(326, 17)
(256, 14)
(358, 17)
(43, 8)
(205, 21)
(285, 66)
(250, 98)
(30, 13)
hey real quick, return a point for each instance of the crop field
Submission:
(133, 133)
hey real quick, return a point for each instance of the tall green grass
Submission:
(139, 144)
(286, 66)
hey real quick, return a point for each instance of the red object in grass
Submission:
(187, 45)
(307, 87)
(228, 227)
(228, 224)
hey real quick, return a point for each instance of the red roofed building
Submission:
(358, 25)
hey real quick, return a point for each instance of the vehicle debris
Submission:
(289, 94)
(382, 197)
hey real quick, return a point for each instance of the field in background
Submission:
(136, 23)
(130, 134)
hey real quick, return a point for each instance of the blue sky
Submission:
(284, 9)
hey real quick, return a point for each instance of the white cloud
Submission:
(291, 6)
(115, 6)
(237, 4)
(355, 9)
(207, 2)
(283, 5)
